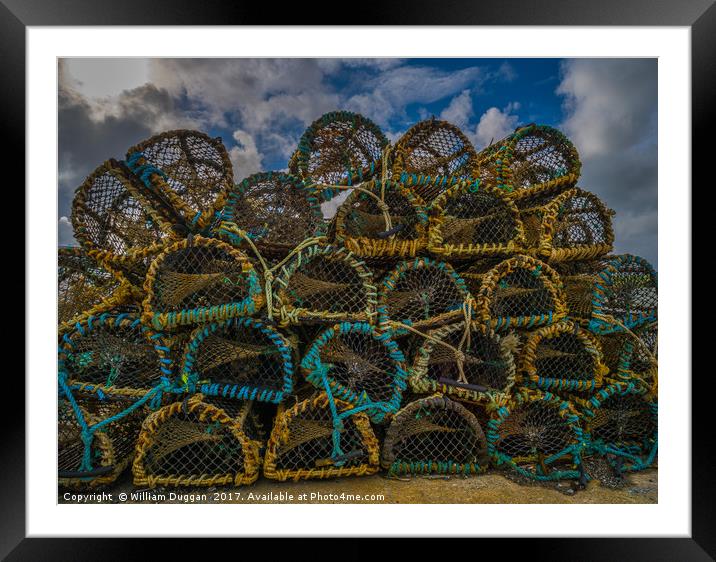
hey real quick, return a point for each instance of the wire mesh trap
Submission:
(472, 221)
(275, 210)
(563, 357)
(639, 363)
(198, 442)
(240, 358)
(538, 435)
(308, 441)
(612, 294)
(433, 148)
(573, 225)
(187, 170)
(475, 366)
(198, 280)
(114, 355)
(324, 284)
(520, 292)
(355, 363)
(94, 459)
(622, 422)
(339, 148)
(434, 435)
(421, 294)
(382, 220)
(533, 158)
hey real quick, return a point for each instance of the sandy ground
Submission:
(641, 487)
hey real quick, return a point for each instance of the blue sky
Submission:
(260, 108)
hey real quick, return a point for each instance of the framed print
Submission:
(311, 280)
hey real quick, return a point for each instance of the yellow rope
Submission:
(611, 320)
(380, 200)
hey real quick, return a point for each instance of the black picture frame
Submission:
(699, 15)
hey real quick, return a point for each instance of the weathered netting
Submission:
(433, 148)
(303, 442)
(339, 148)
(538, 435)
(483, 368)
(355, 363)
(563, 357)
(198, 442)
(422, 294)
(240, 358)
(275, 210)
(198, 280)
(622, 424)
(324, 284)
(534, 158)
(470, 221)
(114, 221)
(187, 171)
(362, 227)
(639, 359)
(434, 435)
(114, 355)
(85, 288)
(613, 293)
(520, 292)
(573, 225)
(99, 459)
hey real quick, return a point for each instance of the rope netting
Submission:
(475, 366)
(240, 358)
(520, 292)
(199, 441)
(339, 148)
(324, 284)
(187, 171)
(383, 219)
(114, 355)
(95, 460)
(198, 280)
(302, 443)
(434, 435)
(538, 435)
(472, 221)
(433, 148)
(277, 211)
(533, 158)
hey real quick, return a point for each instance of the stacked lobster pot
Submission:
(415, 307)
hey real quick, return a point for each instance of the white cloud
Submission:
(65, 235)
(506, 72)
(245, 157)
(459, 111)
(494, 125)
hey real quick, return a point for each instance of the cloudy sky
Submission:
(260, 108)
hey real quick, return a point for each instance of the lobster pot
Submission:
(421, 293)
(114, 354)
(307, 442)
(355, 363)
(275, 210)
(562, 357)
(484, 367)
(573, 225)
(520, 292)
(109, 450)
(85, 288)
(434, 435)
(116, 223)
(389, 224)
(339, 148)
(537, 435)
(199, 280)
(240, 358)
(470, 221)
(613, 293)
(534, 158)
(324, 284)
(622, 422)
(187, 171)
(198, 442)
(433, 148)
(639, 363)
